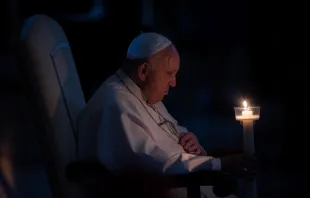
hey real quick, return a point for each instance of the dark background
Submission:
(229, 50)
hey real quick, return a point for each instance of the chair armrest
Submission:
(94, 173)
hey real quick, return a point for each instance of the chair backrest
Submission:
(57, 92)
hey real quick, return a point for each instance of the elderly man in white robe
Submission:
(134, 129)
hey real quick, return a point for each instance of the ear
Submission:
(142, 72)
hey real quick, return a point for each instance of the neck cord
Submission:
(173, 132)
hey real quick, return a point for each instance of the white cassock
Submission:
(129, 132)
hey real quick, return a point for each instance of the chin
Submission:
(160, 99)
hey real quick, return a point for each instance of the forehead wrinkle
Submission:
(164, 56)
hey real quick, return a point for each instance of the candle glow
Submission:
(245, 104)
(247, 113)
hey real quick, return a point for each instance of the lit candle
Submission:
(247, 113)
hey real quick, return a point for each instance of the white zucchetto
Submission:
(146, 45)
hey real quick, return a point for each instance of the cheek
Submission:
(158, 83)
(152, 83)
(163, 82)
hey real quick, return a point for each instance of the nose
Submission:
(173, 83)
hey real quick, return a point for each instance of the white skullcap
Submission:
(146, 45)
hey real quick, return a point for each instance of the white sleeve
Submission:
(181, 129)
(136, 147)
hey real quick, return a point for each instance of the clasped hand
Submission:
(190, 143)
(239, 164)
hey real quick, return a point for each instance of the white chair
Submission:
(56, 93)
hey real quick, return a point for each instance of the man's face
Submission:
(162, 77)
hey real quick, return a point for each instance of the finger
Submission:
(193, 148)
(189, 144)
(195, 152)
(185, 138)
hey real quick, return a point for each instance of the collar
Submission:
(138, 93)
(135, 89)
(131, 85)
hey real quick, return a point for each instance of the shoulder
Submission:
(126, 102)
(114, 96)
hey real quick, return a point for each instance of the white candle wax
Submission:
(247, 115)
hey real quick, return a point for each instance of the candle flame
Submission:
(245, 104)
